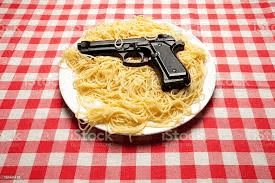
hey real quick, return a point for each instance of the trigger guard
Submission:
(134, 64)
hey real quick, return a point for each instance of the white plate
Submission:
(66, 78)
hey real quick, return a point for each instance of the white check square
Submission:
(89, 23)
(237, 76)
(47, 94)
(201, 158)
(233, 61)
(7, 135)
(85, 159)
(238, 11)
(235, 180)
(270, 113)
(2, 159)
(27, 159)
(21, 46)
(28, 34)
(18, 11)
(204, 180)
(30, 77)
(38, 11)
(246, 113)
(7, 76)
(172, 159)
(225, 134)
(61, 2)
(240, 93)
(62, 47)
(166, 1)
(210, 46)
(173, 181)
(203, 11)
(220, 112)
(56, 159)
(223, 22)
(57, 12)
(265, 93)
(259, 158)
(2, 93)
(186, 23)
(42, 47)
(35, 135)
(62, 134)
(200, 2)
(242, 21)
(41, 113)
(110, 11)
(16, 113)
(259, 76)
(204, 22)
(129, 11)
(257, 10)
(255, 61)
(166, 11)
(218, 93)
(148, 11)
(229, 46)
(113, 2)
(198, 134)
(246, 34)
(269, 46)
(220, 10)
(14, 23)
(249, 46)
(114, 159)
(141, 181)
(252, 134)
(36, 61)
(143, 159)
(15, 61)
(230, 158)
(8, 34)
(56, 61)
(33, 22)
(52, 22)
(48, 34)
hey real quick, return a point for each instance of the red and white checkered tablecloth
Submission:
(231, 140)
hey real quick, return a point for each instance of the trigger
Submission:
(142, 58)
(122, 55)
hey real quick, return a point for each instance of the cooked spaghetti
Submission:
(131, 97)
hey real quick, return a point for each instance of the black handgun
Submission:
(159, 53)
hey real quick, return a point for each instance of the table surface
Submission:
(231, 140)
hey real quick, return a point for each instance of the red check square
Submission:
(248, 172)
(158, 172)
(67, 172)
(217, 171)
(98, 172)
(38, 172)
(128, 173)
(188, 172)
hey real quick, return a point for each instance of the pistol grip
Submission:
(172, 72)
